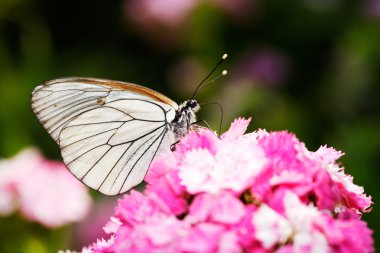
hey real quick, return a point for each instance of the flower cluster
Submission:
(44, 191)
(150, 14)
(256, 192)
(263, 67)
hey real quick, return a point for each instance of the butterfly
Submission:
(110, 131)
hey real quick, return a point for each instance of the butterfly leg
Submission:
(201, 121)
(172, 147)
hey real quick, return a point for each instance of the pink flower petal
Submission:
(203, 139)
(327, 155)
(223, 208)
(237, 128)
(203, 237)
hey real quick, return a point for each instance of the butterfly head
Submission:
(193, 105)
(185, 114)
(185, 118)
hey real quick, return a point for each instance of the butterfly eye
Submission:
(192, 103)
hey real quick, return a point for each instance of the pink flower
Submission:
(239, 10)
(10, 173)
(270, 227)
(224, 167)
(346, 235)
(203, 237)
(8, 199)
(258, 192)
(237, 129)
(206, 207)
(164, 184)
(296, 224)
(326, 155)
(265, 67)
(310, 229)
(135, 208)
(372, 8)
(168, 12)
(288, 166)
(352, 194)
(43, 190)
(173, 13)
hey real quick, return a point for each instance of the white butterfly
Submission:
(110, 131)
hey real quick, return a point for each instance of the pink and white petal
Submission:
(228, 209)
(112, 225)
(202, 139)
(327, 155)
(271, 228)
(237, 128)
(196, 171)
(203, 237)
(229, 243)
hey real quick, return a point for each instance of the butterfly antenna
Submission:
(224, 72)
(221, 114)
(211, 72)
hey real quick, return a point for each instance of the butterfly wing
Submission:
(108, 131)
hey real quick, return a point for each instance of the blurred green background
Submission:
(309, 66)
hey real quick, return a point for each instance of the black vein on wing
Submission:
(94, 135)
(51, 131)
(88, 171)
(67, 101)
(103, 122)
(129, 172)
(131, 141)
(96, 88)
(146, 120)
(114, 121)
(68, 106)
(117, 109)
(112, 146)
(142, 100)
(51, 102)
(43, 97)
(81, 92)
(113, 183)
(66, 120)
(58, 116)
(69, 120)
(85, 124)
(69, 112)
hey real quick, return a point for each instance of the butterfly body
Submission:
(109, 131)
(184, 118)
